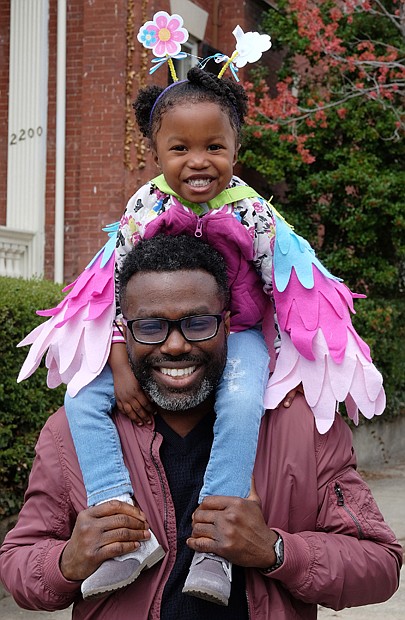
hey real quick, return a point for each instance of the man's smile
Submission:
(174, 376)
(178, 372)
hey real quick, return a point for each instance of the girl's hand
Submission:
(291, 395)
(130, 398)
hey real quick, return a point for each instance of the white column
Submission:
(27, 122)
(59, 252)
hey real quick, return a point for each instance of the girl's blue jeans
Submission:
(238, 407)
(96, 439)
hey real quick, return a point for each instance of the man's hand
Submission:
(235, 529)
(100, 533)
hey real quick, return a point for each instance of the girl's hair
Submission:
(153, 101)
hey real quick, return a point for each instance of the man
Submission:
(310, 533)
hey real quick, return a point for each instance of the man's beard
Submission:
(175, 400)
(178, 399)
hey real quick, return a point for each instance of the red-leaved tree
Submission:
(335, 52)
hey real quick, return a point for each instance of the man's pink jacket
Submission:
(339, 552)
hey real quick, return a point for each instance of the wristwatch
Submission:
(279, 551)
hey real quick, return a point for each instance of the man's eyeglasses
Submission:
(194, 328)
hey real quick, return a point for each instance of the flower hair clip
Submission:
(164, 35)
(249, 48)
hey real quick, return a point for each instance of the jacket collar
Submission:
(227, 196)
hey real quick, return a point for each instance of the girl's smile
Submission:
(196, 149)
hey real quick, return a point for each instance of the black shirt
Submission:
(185, 460)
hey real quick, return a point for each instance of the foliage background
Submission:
(24, 407)
(328, 140)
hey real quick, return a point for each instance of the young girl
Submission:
(194, 132)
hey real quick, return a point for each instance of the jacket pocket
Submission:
(341, 503)
(349, 508)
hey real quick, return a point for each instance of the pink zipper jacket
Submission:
(339, 552)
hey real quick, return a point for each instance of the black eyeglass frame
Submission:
(177, 323)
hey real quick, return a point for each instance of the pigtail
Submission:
(237, 96)
(143, 106)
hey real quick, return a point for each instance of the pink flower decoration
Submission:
(159, 194)
(163, 35)
(135, 238)
(258, 207)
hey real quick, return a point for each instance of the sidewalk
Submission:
(388, 487)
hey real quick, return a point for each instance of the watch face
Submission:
(279, 551)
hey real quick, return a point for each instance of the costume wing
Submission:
(319, 346)
(77, 336)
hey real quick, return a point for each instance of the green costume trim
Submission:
(227, 196)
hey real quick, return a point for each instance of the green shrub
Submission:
(381, 323)
(24, 407)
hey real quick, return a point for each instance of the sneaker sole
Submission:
(206, 595)
(150, 561)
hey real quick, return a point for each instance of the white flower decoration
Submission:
(249, 46)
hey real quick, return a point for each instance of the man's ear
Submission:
(227, 323)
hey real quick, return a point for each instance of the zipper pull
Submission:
(198, 228)
(339, 495)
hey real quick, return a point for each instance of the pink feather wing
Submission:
(302, 312)
(77, 336)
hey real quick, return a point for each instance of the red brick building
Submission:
(70, 154)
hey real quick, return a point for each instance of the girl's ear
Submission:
(155, 158)
(235, 158)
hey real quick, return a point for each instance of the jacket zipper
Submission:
(198, 228)
(341, 502)
(248, 604)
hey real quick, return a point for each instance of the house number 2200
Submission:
(23, 134)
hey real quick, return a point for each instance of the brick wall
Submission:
(106, 160)
(98, 181)
(96, 52)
